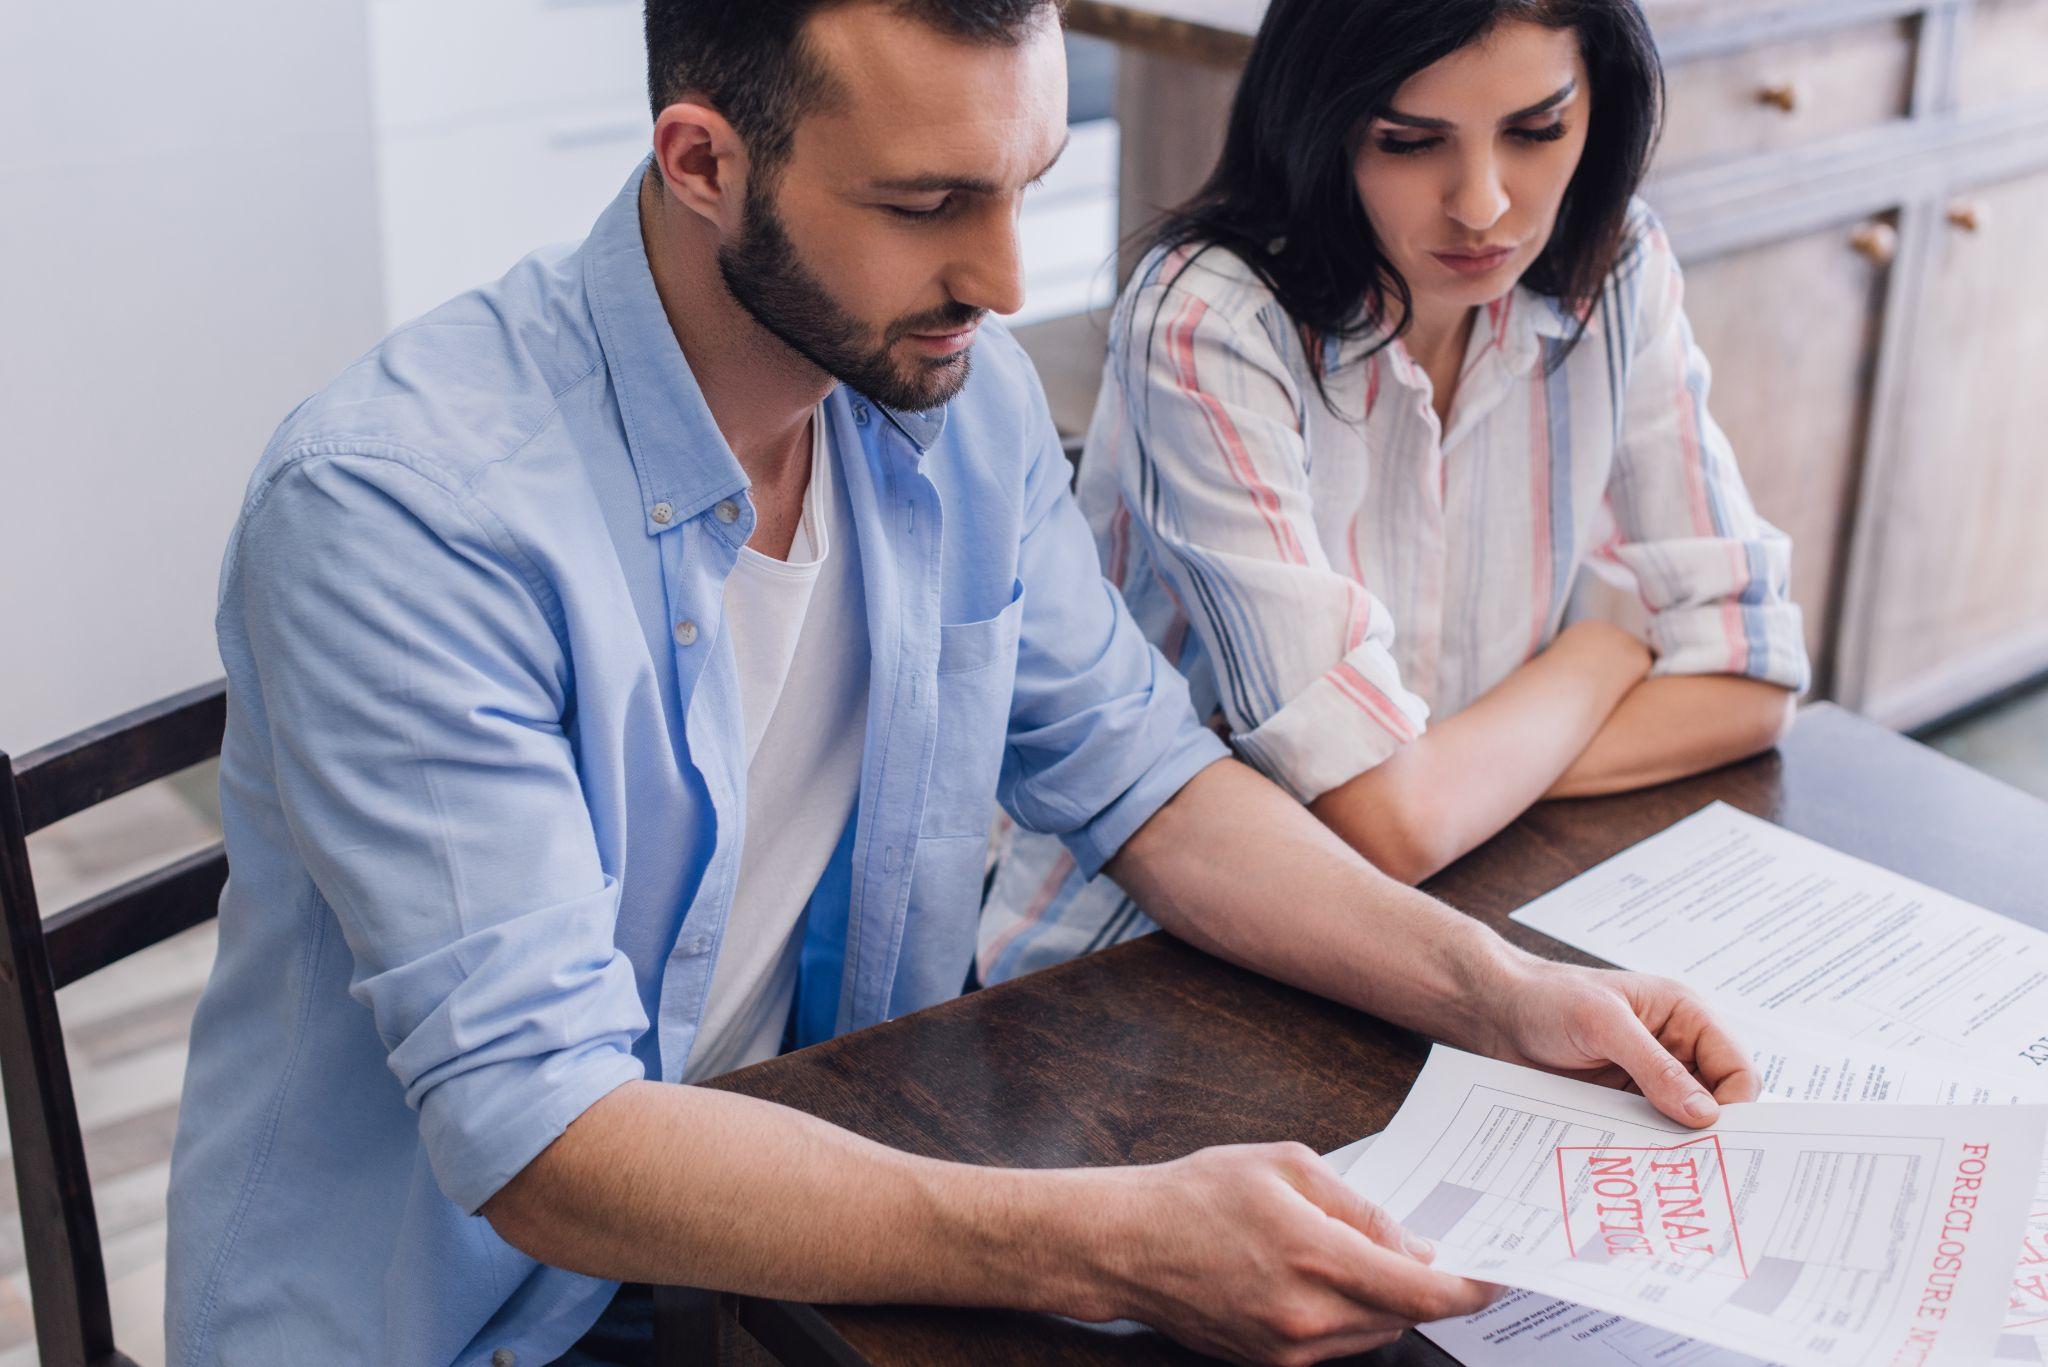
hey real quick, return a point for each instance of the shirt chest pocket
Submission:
(977, 674)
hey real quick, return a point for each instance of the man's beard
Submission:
(762, 272)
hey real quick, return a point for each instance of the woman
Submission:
(1402, 452)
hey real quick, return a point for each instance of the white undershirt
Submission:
(800, 642)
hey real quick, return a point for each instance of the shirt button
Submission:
(686, 633)
(697, 944)
(860, 413)
(505, 1357)
(662, 512)
(727, 512)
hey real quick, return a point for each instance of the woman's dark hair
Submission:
(1282, 196)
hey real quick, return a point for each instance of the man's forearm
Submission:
(1252, 1252)
(1238, 868)
(1672, 727)
(686, 1186)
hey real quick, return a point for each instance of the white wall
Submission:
(207, 208)
(188, 235)
(504, 125)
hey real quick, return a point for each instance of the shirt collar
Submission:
(1518, 324)
(922, 429)
(680, 457)
(1549, 317)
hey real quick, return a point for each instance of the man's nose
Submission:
(990, 273)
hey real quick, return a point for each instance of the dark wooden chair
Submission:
(67, 1275)
(1070, 445)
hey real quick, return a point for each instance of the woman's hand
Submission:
(1622, 1029)
(1676, 725)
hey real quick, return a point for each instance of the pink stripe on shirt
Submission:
(1540, 531)
(1361, 690)
(1181, 342)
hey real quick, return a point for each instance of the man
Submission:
(623, 661)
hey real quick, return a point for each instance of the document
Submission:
(1807, 1065)
(1872, 1234)
(1527, 1329)
(1772, 924)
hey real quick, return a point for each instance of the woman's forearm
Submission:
(1669, 728)
(1465, 778)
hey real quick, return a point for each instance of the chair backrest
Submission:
(67, 1275)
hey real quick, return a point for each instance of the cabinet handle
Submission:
(1968, 214)
(1783, 96)
(1876, 243)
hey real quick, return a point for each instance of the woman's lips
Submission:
(1475, 263)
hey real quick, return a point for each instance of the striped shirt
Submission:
(1331, 575)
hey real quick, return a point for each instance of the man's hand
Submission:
(1621, 1029)
(1260, 1253)
(1237, 868)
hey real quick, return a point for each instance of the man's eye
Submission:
(1406, 147)
(938, 210)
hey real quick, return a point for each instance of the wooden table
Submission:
(1152, 1049)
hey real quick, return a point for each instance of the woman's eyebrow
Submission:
(1547, 103)
(1542, 106)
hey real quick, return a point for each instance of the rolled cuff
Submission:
(482, 1128)
(1349, 720)
(505, 1036)
(1194, 749)
(1722, 606)
(1764, 642)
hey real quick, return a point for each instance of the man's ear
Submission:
(703, 163)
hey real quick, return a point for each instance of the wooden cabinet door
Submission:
(1957, 606)
(1791, 331)
(1998, 60)
(1788, 93)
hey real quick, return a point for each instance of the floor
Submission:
(126, 1026)
(2009, 741)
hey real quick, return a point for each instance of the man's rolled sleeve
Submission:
(415, 687)
(504, 1038)
(1190, 750)
(1102, 731)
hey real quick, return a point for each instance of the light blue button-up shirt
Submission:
(484, 788)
